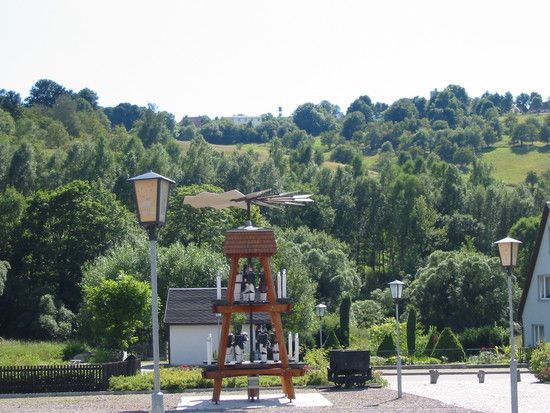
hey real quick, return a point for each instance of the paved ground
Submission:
(371, 400)
(493, 396)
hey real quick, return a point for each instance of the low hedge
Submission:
(540, 362)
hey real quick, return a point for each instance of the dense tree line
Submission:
(427, 211)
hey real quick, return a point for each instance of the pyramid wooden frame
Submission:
(252, 242)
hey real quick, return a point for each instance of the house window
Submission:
(538, 333)
(544, 287)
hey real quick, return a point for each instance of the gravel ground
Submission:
(371, 400)
(493, 396)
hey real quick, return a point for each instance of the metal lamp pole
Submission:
(320, 310)
(158, 397)
(396, 289)
(151, 194)
(508, 251)
(399, 387)
(513, 362)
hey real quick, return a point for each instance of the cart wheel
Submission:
(360, 383)
(339, 385)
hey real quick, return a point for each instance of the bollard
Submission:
(518, 376)
(481, 376)
(434, 375)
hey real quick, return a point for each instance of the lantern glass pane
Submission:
(164, 189)
(505, 252)
(515, 248)
(146, 196)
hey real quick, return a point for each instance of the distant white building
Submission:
(244, 120)
(534, 306)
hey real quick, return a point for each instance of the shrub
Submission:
(484, 337)
(386, 347)
(72, 348)
(411, 332)
(487, 357)
(332, 341)
(432, 341)
(540, 362)
(448, 346)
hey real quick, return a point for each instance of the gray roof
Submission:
(191, 306)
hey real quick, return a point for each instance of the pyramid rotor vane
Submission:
(237, 199)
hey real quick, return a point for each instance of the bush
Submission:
(448, 346)
(72, 348)
(386, 347)
(332, 341)
(484, 337)
(540, 362)
(432, 341)
(488, 357)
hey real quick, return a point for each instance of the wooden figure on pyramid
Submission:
(246, 243)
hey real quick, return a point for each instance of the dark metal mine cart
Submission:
(349, 367)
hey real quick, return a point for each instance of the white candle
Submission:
(284, 284)
(209, 349)
(279, 292)
(296, 348)
(219, 287)
(290, 345)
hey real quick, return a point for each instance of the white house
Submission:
(534, 306)
(190, 320)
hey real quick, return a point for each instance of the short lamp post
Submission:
(396, 288)
(508, 250)
(151, 196)
(320, 311)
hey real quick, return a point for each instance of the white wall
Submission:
(537, 311)
(188, 343)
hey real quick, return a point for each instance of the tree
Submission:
(354, 122)
(411, 332)
(12, 208)
(522, 102)
(54, 322)
(4, 268)
(23, 169)
(89, 96)
(117, 311)
(367, 313)
(526, 230)
(313, 119)
(10, 101)
(62, 230)
(451, 290)
(153, 127)
(362, 104)
(400, 110)
(45, 92)
(545, 130)
(124, 114)
(345, 307)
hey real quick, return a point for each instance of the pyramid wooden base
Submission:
(286, 374)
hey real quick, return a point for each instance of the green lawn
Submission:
(19, 353)
(511, 164)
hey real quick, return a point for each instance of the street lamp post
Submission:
(151, 196)
(320, 311)
(396, 288)
(508, 252)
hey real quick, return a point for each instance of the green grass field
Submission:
(30, 353)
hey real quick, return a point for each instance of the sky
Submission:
(221, 58)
